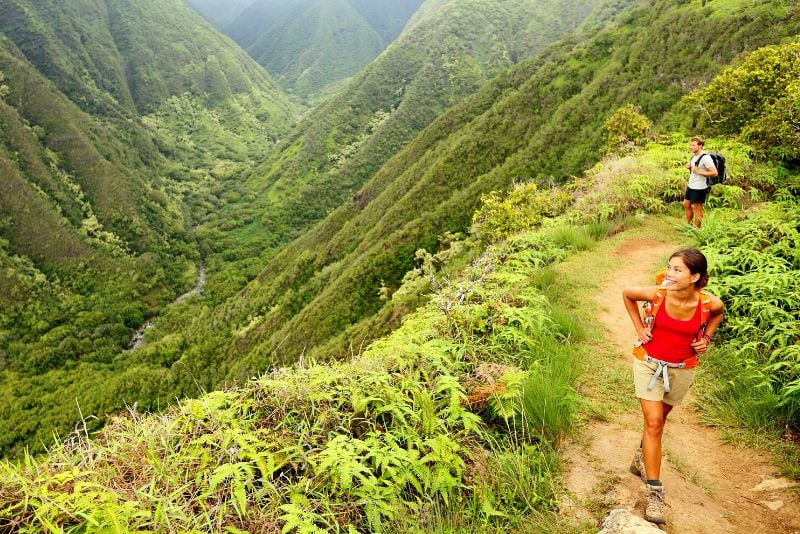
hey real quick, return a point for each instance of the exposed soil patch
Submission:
(711, 486)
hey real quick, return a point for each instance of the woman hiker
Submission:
(680, 319)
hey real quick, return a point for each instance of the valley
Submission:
(294, 266)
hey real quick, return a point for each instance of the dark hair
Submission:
(698, 140)
(697, 264)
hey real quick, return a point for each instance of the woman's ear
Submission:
(695, 278)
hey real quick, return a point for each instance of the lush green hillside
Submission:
(311, 44)
(112, 54)
(349, 280)
(454, 422)
(543, 121)
(341, 145)
(98, 201)
(220, 13)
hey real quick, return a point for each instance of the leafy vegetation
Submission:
(393, 436)
(756, 263)
(759, 99)
(541, 122)
(97, 202)
(627, 127)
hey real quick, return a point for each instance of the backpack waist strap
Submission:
(662, 367)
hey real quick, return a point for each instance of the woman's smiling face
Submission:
(678, 275)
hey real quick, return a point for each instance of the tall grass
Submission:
(548, 398)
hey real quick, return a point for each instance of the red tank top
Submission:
(672, 338)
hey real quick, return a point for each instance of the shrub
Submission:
(627, 128)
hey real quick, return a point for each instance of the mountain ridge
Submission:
(331, 286)
(99, 200)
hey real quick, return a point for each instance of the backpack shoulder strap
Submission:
(700, 158)
(705, 310)
(650, 308)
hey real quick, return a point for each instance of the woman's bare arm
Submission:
(631, 296)
(714, 318)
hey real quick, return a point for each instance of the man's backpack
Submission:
(719, 163)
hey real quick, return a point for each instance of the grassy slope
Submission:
(543, 119)
(387, 438)
(341, 145)
(97, 202)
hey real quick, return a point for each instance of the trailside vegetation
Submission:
(454, 419)
(451, 421)
(540, 122)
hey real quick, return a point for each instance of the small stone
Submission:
(624, 521)
(773, 505)
(772, 484)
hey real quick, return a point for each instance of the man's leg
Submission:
(698, 214)
(687, 207)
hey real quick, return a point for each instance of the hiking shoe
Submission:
(654, 504)
(637, 465)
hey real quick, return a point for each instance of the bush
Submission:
(627, 128)
(759, 99)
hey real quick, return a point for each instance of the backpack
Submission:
(719, 162)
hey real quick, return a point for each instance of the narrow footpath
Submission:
(711, 486)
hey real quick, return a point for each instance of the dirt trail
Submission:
(711, 486)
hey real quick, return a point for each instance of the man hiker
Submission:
(701, 167)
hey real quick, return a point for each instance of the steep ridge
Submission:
(542, 121)
(451, 423)
(119, 60)
(114, 55)
(98, 200)
(309, 45)
(340, 145)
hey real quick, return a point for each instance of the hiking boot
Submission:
(637, 465)
(654, 504)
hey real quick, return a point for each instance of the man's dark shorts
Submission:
(696, 196)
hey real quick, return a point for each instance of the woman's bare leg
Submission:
(655, 415)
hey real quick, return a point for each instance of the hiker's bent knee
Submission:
(654, 426)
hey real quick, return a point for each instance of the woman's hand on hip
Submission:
(645, 335)
(700, 346)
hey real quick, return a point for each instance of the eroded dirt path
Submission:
(711, 486)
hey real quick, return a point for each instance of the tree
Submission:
(627, 128)
(3, 87)
(758, 99)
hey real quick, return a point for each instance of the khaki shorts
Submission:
(679, 382)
